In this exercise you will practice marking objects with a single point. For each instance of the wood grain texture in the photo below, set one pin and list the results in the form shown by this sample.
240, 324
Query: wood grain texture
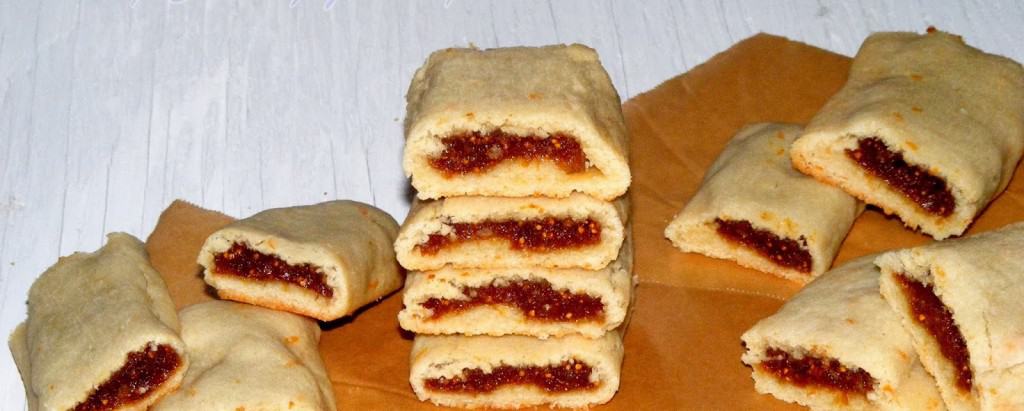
109, 110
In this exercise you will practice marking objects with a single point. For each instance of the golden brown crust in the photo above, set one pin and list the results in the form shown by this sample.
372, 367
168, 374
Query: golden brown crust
434, 217
278, 305
349, 242
67, 322
812, 216
470, 90
909, 92
252, 358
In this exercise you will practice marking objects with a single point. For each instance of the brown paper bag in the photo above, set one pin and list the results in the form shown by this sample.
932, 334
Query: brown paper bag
682, 347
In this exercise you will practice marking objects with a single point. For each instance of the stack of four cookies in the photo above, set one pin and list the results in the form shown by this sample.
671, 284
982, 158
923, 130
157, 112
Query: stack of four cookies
520, 264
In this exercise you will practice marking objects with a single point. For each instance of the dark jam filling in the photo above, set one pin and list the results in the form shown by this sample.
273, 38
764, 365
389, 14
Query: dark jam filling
475, 152
819, 372
929, 311
570, 375
782, 251
248, 263
928, 191
535, 298
538, 235
141, 374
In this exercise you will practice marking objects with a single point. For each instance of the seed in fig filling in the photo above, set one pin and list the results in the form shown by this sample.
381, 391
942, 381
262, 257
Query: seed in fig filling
484, 232
495, 152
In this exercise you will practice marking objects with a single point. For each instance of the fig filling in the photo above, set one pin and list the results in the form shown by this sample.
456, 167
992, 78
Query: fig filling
933, 315
475, 152
926, 190
818, 372
784, 252
567, 376
141, 374
242, 261
535, 235
534, 298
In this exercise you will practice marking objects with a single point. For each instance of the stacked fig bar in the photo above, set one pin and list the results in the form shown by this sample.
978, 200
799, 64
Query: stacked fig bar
520, 273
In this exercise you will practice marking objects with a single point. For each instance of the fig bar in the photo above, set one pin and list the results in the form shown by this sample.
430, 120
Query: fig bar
927, 128
101, 333
755, 209
246, 357
533, 301
498, 232
960, 300
324, 260
837, 345
515, 122
515, 371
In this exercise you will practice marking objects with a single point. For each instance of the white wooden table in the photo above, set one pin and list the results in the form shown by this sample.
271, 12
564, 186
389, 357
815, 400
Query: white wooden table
109, 110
